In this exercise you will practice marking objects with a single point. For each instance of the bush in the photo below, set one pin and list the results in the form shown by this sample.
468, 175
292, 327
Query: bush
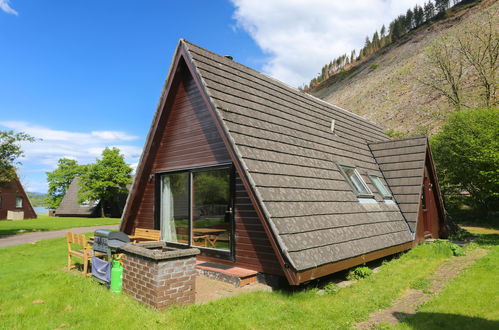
359, 273
331, 288
444, 247
467, 157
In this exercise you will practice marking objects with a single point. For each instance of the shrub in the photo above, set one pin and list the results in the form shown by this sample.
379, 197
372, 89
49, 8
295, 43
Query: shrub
447, 248
467, 157
359, 273
331, 288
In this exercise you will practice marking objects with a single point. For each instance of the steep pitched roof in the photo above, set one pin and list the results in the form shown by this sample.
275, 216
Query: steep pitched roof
283, 139
70, 205
402, 163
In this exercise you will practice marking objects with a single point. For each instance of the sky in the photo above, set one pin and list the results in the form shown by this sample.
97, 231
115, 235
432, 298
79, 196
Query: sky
82, 75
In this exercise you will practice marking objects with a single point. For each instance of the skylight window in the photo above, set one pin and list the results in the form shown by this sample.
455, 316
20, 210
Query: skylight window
355, 180
383, 190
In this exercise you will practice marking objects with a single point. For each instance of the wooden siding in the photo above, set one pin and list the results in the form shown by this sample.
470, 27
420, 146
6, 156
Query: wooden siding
8, 194
190, 139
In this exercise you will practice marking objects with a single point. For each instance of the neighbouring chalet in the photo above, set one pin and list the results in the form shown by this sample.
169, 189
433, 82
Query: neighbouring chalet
71, 207
14, 203
259, 175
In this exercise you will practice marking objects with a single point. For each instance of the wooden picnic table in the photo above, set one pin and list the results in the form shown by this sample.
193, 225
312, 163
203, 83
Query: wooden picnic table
210, 235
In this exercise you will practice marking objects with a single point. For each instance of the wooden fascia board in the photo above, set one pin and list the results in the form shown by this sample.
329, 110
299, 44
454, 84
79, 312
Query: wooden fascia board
141, 178
324, 270
229, 144
420, 191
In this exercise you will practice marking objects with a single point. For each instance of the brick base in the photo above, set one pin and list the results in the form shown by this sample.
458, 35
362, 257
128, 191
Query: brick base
160, 283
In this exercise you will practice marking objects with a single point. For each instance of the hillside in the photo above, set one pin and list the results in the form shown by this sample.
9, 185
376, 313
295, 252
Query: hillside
387, 87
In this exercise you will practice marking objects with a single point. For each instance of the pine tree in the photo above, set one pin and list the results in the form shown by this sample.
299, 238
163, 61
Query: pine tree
376, 43
382, 31
418, 15
409, 19
441, 5
429, 11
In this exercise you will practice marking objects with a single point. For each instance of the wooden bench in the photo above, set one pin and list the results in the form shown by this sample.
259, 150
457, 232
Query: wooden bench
144, 234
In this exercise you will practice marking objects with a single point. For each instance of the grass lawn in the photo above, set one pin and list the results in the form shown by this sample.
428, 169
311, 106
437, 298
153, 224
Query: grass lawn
470, 301
36, 292
45, 223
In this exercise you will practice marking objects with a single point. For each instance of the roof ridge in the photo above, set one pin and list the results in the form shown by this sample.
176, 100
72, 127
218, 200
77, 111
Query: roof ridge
397, 140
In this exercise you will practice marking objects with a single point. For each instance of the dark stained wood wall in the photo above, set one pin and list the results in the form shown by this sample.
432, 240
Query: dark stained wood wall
190, 139
8, 194
433, 223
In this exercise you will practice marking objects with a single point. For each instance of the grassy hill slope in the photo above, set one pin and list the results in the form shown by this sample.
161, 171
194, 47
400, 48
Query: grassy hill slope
387, 89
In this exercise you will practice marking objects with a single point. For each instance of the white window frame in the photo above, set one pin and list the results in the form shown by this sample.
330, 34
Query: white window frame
366, 193
376, 180
19, 202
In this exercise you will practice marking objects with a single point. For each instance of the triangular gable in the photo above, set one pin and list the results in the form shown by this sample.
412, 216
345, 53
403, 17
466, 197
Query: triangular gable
163, 125
9, 192
70, 206
402, 163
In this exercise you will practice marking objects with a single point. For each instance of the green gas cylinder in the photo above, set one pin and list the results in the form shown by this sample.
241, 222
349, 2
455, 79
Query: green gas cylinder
116, 277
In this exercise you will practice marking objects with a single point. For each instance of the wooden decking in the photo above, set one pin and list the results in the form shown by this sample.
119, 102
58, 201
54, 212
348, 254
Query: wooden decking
235, 275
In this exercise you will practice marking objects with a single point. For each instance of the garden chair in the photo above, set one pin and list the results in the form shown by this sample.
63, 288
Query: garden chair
85, 253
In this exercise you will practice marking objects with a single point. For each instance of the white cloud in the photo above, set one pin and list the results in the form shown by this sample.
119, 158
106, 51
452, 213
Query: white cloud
44, 133
51, 145
300, 36
5, 6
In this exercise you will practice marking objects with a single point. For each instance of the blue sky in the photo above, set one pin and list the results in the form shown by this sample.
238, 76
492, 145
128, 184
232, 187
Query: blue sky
82, 75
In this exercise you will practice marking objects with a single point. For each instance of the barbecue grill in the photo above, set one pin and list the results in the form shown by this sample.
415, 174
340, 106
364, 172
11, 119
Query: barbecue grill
108, 242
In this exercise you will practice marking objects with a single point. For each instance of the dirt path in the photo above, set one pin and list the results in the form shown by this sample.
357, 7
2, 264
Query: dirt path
41, 235
412, 299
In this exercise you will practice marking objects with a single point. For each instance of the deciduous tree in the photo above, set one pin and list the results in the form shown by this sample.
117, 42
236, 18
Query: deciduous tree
466, 153
106, 179
60, 179
10, 152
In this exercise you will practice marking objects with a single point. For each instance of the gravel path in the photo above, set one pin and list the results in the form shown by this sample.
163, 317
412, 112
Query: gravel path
41, 235
412, 299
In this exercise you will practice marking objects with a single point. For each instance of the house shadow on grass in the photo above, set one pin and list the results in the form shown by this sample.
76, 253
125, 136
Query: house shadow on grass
424, 321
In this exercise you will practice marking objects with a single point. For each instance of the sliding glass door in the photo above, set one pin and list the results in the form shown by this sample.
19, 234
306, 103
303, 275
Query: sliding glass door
196, 208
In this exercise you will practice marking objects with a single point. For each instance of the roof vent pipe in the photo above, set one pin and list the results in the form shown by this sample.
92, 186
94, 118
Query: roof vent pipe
332, 125
229, 57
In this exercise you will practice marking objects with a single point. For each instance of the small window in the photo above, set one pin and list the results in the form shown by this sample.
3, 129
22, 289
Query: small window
19, 202
383, 190
355, 180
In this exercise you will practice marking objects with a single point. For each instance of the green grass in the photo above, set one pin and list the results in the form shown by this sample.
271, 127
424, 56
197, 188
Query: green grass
34, 272
46, 223
470, 301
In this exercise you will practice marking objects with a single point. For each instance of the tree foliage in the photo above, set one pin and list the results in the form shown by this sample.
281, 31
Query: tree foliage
10, 151
60, 179
106, 179
466, 153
